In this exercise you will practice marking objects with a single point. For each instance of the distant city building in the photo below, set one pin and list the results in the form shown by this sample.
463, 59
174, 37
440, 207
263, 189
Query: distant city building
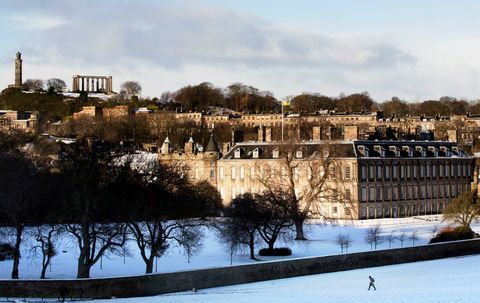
12, 119
118, 111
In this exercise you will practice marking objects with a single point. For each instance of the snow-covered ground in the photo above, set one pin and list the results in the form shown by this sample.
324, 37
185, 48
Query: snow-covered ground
446, 280
214, 254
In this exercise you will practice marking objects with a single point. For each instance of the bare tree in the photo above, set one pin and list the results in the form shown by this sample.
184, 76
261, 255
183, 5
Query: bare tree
163, 203
89, 218
190, 239
46, 236
19, 187
402, 237
296, 163
244, 219
344, 241
374, 237
276, 214
33, 85
390, 237
56, 85
131, 88
463, 210
413, 237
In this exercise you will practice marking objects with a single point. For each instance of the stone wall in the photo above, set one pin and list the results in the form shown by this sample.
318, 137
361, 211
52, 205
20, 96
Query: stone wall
154, 284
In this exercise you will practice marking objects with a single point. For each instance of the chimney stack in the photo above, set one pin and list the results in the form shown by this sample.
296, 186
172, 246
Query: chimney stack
350, 132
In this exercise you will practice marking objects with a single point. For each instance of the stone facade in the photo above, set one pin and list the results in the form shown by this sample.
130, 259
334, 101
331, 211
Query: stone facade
12, 119
201, 165
116, 112
366, 179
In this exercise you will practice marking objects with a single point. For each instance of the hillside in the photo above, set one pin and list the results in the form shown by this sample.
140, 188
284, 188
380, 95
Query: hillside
50, 106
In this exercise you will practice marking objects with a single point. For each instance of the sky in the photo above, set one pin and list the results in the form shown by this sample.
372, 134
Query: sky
414, 50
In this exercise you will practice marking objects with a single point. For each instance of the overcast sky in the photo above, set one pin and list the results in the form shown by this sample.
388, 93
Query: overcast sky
411, 49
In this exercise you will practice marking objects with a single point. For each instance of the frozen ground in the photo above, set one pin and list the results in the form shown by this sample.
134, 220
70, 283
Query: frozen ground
214, 254
446, 280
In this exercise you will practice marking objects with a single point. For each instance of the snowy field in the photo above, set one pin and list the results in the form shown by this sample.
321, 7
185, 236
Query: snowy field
214, 254
439, 281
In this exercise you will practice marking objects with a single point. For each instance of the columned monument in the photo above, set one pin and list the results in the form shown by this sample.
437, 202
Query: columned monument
92, 84
18, 70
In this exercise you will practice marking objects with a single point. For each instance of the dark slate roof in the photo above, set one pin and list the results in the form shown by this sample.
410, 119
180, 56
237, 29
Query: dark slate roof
212, 145
407, 149
308, 148
349, 149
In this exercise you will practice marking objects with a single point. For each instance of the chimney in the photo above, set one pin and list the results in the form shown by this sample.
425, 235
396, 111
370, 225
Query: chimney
316, 133
350, 132
226, 147
452, 135
268, 134
261, 137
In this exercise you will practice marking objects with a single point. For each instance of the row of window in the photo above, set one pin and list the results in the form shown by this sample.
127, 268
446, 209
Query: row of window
239, 172
401, 210
415, 171
412, 192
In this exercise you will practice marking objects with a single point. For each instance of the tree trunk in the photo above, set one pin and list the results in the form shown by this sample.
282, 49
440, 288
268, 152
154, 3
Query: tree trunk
251, 244
83, 271
16, 252
45, 262
149, 267
300, 235
44, 269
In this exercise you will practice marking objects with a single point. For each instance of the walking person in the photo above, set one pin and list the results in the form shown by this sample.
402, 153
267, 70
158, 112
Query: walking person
372, 283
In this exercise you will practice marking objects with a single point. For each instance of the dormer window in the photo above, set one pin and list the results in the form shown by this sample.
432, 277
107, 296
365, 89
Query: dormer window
256, 152
446, 151
421, 150
395, 150
299, 154
408, 150
275, 153
433, 150
238, 153
380, 150
363, 150
456, 150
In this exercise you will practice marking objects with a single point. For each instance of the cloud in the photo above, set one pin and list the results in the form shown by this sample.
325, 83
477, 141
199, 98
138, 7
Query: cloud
167, 44
36, 22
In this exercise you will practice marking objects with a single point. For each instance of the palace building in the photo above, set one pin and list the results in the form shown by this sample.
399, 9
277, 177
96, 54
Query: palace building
366, 179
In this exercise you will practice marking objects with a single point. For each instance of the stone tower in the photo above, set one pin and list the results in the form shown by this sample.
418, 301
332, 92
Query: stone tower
18, 70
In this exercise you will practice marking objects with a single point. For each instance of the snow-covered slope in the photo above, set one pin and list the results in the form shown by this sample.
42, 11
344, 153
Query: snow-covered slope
446, 280
214, 254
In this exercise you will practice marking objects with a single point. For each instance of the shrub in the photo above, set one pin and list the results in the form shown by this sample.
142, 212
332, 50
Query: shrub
453, 234
6, 251
281, 251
